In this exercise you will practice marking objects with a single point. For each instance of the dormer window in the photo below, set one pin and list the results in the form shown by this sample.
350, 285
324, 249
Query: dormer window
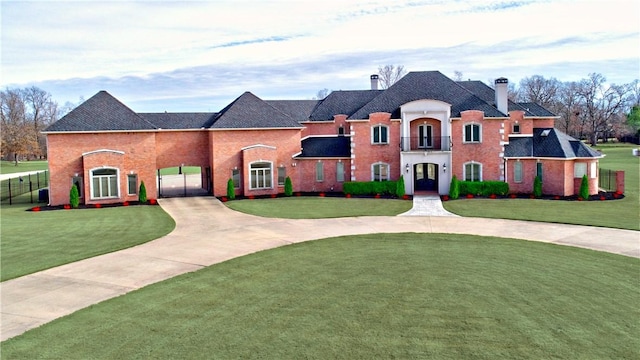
516, 128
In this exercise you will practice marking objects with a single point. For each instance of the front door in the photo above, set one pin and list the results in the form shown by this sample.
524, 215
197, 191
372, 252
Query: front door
426, 177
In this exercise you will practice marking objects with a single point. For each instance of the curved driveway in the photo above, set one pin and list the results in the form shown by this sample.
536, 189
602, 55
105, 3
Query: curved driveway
208, 233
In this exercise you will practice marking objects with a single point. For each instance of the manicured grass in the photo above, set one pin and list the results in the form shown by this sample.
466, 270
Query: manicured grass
320, 207
9, 167
185, 170
378, 296
34, 241
623, 214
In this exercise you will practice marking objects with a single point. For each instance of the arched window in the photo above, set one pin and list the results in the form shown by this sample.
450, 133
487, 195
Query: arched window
473, 171
260, 175
380, 134
380, 172
104, 183
472, 133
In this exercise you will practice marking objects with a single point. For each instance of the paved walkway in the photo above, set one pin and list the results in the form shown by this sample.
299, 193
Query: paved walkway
208, 233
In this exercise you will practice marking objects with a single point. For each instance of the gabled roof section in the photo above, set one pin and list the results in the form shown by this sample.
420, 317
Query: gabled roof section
548, 143
101, 112
250, 112
488, 94
298, 110
179, 120
426, 85
326, 147
342, 102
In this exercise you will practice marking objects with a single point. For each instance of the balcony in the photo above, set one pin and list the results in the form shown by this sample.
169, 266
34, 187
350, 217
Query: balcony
429, 143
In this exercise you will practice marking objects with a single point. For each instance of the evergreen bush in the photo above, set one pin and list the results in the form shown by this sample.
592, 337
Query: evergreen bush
584, 188
288, 187
231, 191
454, 188
370, 187
537, 187
400, 187
74, 197
142, 194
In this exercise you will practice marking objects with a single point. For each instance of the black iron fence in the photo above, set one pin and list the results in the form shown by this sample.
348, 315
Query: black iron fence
13, 188
426, 143
607, 180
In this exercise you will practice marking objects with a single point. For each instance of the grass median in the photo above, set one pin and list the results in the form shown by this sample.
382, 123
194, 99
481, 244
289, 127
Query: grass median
370, 296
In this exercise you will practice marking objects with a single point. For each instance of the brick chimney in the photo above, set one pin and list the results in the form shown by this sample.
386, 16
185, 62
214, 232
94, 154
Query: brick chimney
374, 82
502, 100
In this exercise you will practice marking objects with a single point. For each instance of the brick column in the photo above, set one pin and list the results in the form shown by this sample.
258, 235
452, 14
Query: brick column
620, 181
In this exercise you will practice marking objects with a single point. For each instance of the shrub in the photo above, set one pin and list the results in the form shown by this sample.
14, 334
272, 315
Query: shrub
494, 188
370, 187
400, 187
484, 188
537, 187
74, 197
470, 187
142, 194
584, 188
288, 187
454, 188
231, 191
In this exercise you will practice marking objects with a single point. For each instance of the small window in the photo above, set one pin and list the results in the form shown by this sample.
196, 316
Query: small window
235, 176
282, 174
132, 184
340, 172
594, 170
579, 170
380, 172
539, 170
473, 172
380, 134
517, 171
341, 130
260, 175
516, 128
319, 171
472, 133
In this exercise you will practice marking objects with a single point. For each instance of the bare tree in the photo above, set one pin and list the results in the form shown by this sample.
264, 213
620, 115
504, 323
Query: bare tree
539, 90
42, 112
568, 108
457, 76
321, 94
389, 74
602, 105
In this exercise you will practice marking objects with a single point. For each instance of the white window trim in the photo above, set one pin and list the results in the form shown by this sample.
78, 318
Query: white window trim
373, 132
373, 174
578, 174
594, 169
91, 177
464, 170
251, 170
464, 138
426, 145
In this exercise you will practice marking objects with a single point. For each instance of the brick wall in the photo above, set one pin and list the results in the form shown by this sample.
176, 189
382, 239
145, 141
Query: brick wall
364, 153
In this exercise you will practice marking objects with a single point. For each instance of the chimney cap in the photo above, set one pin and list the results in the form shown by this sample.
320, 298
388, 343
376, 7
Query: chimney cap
374, 77
502, 80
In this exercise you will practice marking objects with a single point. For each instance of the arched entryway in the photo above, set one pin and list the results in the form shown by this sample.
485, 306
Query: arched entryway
425, 177
184, 181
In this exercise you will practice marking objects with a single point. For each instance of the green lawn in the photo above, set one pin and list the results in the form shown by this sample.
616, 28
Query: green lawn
319, 207
34, 241
9, 167
623, 214
378, 296
176, 170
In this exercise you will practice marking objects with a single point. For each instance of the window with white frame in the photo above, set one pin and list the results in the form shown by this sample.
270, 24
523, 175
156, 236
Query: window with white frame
340, 171
579, 169
473, 171
132, 184
380, 172
425, 134
319, 171
104, 183
282, 175
472, 133
594, 170
517, 171
235, 176
516, 128
260, 175
380, 134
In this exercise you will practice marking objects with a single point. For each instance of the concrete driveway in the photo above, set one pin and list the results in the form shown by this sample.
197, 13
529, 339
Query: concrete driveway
208, 233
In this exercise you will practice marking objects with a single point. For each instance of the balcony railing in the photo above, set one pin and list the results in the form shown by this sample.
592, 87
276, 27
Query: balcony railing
430, 143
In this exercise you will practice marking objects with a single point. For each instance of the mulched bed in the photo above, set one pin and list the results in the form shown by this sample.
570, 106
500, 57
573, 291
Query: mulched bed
92, 206
601, 196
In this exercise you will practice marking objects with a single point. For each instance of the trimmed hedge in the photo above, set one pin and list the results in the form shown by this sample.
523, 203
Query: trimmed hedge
370, 187
454, 188
400, 187
482, 188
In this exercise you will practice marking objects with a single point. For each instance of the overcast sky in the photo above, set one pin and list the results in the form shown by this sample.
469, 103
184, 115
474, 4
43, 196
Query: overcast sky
192, 56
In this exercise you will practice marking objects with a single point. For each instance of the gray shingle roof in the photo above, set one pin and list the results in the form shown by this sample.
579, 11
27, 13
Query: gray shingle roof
101, 112
548, 142
298, 110
536, 110
343, 102
179, 120
426, 85
326, 147
250, 112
